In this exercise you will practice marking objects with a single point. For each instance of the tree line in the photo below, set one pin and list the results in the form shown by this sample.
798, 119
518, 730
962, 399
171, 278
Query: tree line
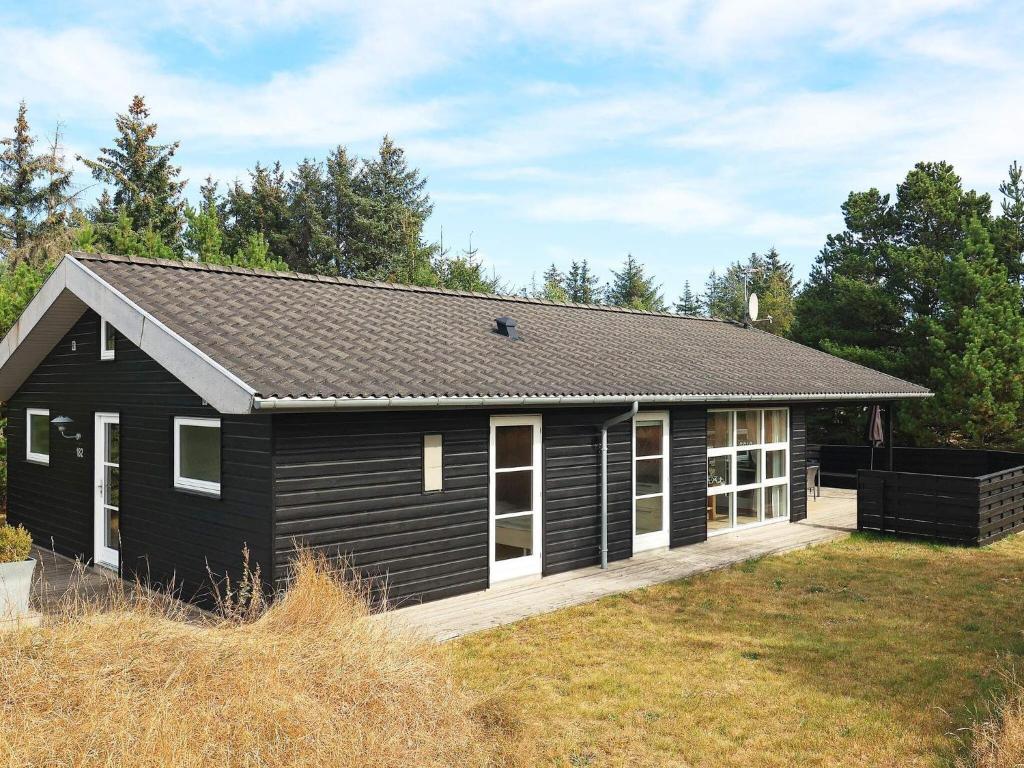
925, 285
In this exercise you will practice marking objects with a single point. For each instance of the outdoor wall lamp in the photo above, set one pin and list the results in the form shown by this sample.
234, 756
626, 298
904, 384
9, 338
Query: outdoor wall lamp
63, 424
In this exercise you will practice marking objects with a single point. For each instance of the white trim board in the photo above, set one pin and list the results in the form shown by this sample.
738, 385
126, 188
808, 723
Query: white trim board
73, 288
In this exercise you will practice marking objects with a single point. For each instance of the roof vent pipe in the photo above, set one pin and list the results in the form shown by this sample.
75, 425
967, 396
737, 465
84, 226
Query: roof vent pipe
604, 475
507, 327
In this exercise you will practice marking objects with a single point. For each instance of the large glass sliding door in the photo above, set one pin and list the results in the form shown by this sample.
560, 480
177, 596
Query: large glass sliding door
748, 467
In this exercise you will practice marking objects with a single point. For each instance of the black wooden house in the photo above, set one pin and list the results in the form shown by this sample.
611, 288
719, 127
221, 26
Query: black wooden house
162, 415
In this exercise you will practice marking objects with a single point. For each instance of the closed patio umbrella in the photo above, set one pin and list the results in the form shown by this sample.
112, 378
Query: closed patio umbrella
876, 433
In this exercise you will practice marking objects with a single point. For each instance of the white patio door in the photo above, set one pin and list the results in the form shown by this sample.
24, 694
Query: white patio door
650, 481
107, 528
516, 482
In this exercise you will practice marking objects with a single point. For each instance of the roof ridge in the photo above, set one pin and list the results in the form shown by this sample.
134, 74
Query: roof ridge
379, 284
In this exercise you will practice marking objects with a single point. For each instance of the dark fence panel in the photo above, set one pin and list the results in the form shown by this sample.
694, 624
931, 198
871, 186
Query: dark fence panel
960, 510
840, 463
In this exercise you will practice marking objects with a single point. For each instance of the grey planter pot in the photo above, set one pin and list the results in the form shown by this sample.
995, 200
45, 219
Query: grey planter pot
15, 588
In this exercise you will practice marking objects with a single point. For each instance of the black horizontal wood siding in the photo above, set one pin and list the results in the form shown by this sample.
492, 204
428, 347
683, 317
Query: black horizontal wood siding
797, 464
350, 485
688, 497
572, 488
166, 534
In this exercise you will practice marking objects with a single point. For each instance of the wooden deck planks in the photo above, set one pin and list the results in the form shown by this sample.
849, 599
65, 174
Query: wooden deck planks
830, 517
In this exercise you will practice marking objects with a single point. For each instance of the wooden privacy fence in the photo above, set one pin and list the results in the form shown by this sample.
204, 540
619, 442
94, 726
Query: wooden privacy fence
950, 508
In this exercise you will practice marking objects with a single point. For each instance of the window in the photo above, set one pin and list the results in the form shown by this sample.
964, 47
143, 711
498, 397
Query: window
433, 463
37, 435
197, 454
108, 337
516, 481
748, 467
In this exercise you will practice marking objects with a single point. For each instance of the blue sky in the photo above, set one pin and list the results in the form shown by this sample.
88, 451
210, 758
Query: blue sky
689, 133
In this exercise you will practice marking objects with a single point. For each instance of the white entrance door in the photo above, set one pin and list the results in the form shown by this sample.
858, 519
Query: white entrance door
650, 481
107, 537
516, 483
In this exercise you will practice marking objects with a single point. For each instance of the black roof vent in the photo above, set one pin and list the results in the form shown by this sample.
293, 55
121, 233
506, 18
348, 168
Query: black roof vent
507, 327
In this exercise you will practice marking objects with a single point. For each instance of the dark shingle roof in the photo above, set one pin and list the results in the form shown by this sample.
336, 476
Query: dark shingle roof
290, 335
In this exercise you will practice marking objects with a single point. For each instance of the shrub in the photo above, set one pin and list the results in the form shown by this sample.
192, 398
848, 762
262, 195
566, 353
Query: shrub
15, 544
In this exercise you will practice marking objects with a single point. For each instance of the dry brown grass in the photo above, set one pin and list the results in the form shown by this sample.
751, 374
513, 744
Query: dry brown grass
314, 680
996, 740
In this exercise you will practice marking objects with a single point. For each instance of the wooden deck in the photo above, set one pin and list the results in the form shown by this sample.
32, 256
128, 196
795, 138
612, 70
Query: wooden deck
832, 516
59, 579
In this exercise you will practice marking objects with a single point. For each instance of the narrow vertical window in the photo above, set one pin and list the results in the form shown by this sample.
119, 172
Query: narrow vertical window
108, 339
37, 435
433, 463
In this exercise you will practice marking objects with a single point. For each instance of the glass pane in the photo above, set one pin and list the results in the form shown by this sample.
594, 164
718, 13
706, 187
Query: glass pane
719, 433
719, 506
513, 537
748, 427
513, 446
648, 438
113, 529
774, 464
776, 426
748, 506
39, 433
513, 492
112, 486
113, 443
200, 453
111, 334
719, 470
776, 501
748, 466
648, 476
432, 463
648, 515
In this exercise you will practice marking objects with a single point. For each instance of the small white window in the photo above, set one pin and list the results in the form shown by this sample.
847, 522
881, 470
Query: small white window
37, 435
108, 339
433, 463
197, 454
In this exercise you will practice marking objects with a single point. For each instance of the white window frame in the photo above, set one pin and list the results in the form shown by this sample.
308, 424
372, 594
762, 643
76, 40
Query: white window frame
188, 483
762, 484
655, 539
30, 455
528, 565
105, 354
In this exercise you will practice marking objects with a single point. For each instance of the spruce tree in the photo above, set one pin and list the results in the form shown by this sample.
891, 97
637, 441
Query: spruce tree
35, 200
553, 288
632, 288
688, 302
979, 346
464, 272
262, 209
144, 177
1008, 229
582, 285
204, 237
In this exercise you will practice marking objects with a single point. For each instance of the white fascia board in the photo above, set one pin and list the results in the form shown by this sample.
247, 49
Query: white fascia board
353, 403
67, 293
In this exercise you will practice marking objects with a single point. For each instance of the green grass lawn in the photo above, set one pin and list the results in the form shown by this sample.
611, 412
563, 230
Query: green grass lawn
861, 652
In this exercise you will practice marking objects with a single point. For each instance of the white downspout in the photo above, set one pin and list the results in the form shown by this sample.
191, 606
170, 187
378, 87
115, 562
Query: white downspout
604, 476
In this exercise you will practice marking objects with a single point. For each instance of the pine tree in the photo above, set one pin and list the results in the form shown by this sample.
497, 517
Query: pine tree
310, 247
35, 201
631, 288
144, 177
465, 272
688, 302
262, 209
342, 204
581, 285
204, 237
386, 234
777, 291
979, 346
553, 288
1008, 229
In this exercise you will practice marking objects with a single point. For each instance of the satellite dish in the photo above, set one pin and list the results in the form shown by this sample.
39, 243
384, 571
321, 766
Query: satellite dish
752, 307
